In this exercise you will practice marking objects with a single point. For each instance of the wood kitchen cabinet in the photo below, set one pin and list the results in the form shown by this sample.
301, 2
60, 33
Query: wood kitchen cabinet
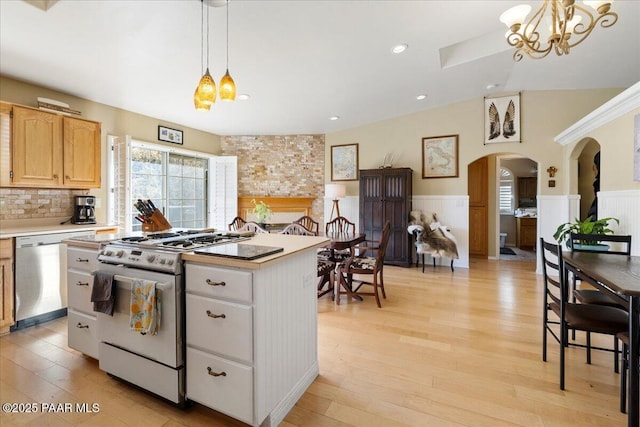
526, 232
385, 194
48, 150
6, 285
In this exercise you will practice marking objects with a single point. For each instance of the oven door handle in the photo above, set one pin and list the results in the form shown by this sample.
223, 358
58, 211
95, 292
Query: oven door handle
129, 281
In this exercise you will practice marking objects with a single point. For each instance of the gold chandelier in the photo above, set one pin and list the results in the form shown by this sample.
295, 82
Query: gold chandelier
557, 26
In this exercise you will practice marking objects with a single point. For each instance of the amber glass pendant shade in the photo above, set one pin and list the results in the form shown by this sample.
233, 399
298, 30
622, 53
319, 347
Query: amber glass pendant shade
227, 88
206, 90
200, 106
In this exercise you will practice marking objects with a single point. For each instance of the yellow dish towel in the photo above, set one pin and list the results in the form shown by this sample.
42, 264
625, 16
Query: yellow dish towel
145, 307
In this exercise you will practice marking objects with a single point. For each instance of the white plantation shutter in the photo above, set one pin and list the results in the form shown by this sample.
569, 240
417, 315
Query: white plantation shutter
506, 192
223, 198
121, 183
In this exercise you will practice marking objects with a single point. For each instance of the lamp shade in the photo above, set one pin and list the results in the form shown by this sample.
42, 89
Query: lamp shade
335, 191
515, 15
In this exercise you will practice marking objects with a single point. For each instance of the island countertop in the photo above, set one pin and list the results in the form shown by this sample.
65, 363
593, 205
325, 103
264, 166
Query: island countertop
291, 245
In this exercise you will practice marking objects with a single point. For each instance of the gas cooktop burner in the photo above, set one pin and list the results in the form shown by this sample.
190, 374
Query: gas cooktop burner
180, 241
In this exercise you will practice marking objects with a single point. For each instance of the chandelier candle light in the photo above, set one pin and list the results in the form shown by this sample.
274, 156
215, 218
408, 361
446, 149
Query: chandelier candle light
558, 25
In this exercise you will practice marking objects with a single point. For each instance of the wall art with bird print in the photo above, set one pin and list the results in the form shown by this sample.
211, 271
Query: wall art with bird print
502, 119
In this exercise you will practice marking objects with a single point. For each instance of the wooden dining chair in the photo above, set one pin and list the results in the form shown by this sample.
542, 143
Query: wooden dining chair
589, 318
237, 224
297, 229
252, 226
624, 337
365, 265
600, 243
309, 223
340, 225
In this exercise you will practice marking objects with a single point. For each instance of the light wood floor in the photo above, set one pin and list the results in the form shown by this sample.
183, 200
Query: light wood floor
446, 349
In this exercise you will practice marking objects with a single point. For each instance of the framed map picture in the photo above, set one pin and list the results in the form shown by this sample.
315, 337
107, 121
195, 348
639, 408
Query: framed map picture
440, 156
344, 162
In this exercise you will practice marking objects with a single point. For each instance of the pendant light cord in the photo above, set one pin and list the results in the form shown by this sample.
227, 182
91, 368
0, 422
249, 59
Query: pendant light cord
201, 37
207, 36
227, 35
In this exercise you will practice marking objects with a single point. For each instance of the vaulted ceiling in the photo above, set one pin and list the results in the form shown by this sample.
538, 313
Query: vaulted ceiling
300, 61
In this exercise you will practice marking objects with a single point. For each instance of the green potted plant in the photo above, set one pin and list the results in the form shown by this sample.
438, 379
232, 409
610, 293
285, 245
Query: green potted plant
588, 226
262, 211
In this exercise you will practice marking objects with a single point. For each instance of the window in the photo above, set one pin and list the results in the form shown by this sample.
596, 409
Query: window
176, 181
506, 192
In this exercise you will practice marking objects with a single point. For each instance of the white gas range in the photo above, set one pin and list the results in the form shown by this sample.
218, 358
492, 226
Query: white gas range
152, 362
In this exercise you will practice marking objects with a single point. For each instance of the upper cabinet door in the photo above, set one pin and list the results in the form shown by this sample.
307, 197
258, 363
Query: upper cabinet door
36, 148
81, 153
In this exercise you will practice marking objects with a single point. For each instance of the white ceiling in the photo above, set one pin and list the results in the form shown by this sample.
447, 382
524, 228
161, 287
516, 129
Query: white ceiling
301, 61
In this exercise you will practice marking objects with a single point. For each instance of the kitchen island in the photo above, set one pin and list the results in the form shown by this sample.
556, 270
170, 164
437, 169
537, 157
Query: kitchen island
251, 327
252, 341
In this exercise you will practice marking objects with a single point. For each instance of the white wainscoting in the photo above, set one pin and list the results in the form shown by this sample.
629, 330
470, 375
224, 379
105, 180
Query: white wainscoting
624, 205
453, 211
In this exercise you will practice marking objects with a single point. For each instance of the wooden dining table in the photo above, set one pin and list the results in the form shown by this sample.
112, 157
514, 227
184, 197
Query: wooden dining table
342, 241
618, 276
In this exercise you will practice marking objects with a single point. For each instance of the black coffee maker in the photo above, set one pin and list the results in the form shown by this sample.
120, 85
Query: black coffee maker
85, 210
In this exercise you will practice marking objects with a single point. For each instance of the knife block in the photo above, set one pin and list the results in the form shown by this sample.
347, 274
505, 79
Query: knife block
157, 222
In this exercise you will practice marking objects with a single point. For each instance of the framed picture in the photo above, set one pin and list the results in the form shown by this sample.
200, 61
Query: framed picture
169, 135
344, 162
440, 156
502, 119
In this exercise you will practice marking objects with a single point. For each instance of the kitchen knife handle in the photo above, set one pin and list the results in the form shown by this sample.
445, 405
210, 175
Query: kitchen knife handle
212, 283
215, 316
216, 374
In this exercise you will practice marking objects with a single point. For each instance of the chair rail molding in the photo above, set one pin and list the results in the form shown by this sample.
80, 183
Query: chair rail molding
624, 103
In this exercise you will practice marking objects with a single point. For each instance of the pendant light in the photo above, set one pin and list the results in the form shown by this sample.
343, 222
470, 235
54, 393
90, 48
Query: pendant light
205, 94
227, 85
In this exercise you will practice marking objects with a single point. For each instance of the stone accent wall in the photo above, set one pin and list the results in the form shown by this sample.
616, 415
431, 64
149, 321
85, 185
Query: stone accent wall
28, 203
279, 166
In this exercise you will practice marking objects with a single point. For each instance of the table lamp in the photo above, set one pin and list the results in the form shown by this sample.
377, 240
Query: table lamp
335, 191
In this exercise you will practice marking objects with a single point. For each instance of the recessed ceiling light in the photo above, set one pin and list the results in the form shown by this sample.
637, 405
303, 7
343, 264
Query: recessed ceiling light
421, 97
492, 86
334, 118
399, 48
243, 97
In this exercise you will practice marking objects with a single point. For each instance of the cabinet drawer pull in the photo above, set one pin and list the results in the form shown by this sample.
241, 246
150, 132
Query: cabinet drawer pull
82, 260
81, 326
82, 284
215, 316
212, 283
67, 177
216, 374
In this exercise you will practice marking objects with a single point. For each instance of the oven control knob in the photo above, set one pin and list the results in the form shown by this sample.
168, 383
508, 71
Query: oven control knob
120, 253
109, 253
162, 260
150, 258
169, 262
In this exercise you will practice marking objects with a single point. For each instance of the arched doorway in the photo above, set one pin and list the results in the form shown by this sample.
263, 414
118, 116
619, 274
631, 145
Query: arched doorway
588, 178
503, 192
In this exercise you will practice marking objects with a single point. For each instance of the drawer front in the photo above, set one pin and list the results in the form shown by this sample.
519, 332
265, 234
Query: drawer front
82, 259
230, 393
229, 334
219, 282
79, 285
82, 333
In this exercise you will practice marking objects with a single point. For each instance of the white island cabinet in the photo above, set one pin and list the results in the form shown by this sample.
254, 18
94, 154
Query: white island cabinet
252, 341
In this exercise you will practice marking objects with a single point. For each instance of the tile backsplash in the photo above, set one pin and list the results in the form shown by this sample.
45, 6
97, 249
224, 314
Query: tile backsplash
29, 203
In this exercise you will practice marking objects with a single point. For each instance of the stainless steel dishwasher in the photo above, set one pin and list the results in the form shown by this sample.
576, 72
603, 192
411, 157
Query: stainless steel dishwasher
41, 277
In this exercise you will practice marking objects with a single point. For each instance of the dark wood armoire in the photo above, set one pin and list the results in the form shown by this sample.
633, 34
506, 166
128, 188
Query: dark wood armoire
385, 194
